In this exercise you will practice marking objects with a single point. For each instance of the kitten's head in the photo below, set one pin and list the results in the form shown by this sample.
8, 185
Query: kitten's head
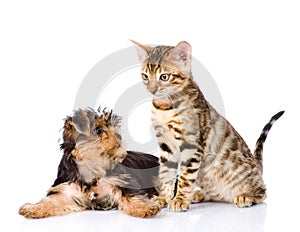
165, 69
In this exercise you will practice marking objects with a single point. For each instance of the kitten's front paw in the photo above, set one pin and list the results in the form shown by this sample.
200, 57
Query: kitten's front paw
178, 205
162, 201
197, 197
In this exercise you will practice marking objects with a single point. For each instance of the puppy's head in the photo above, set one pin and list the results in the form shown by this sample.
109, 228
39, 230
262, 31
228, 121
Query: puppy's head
93, 134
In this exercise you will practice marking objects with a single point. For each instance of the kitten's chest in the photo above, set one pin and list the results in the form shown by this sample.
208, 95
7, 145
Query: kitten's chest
181, 110
164, 117
176, 124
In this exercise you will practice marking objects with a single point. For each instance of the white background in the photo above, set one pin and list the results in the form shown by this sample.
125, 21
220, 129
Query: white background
250, 48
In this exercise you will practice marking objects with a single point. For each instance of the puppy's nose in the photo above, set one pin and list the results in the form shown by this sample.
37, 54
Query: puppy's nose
152, 87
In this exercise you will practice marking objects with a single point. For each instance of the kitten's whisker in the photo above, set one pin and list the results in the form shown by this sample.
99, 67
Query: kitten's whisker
212, 153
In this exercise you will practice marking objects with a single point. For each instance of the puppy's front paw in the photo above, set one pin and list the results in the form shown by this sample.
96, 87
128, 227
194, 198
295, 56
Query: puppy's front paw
151, 210
178, 205
48, 207
32, 211
140, 207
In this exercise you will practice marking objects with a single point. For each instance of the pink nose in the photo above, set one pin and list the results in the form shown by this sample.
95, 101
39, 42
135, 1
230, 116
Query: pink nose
152, 87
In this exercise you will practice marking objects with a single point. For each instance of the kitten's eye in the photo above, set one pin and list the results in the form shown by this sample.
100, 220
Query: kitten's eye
118, 136
145, 77
164, 77
98, 131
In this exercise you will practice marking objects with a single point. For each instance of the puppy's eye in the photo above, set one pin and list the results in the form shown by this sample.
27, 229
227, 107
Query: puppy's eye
164, 77
98, 131
145, 77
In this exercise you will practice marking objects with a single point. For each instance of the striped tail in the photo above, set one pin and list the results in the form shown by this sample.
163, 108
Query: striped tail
258, 152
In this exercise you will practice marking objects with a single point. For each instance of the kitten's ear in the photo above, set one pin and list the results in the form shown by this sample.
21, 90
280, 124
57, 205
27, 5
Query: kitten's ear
183, 51
81, 122
142, 50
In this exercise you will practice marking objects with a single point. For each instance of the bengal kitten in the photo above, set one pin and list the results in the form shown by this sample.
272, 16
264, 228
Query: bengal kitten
199, 147
97, 173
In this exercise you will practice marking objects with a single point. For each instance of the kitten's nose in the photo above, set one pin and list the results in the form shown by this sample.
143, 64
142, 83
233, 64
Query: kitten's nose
152, 87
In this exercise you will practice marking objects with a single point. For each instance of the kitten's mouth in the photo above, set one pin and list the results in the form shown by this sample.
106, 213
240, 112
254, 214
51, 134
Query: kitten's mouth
163, 97
161, 94
158, 95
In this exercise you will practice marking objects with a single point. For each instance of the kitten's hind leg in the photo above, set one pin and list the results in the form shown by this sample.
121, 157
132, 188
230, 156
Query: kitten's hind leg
242, 201
253, 190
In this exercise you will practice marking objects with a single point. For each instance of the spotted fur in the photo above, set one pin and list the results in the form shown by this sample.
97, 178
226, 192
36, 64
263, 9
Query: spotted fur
199, 147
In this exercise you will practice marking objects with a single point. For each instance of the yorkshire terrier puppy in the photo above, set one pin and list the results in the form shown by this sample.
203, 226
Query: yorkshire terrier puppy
97, 173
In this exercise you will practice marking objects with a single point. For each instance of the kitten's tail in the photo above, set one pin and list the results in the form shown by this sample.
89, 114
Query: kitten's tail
258, 152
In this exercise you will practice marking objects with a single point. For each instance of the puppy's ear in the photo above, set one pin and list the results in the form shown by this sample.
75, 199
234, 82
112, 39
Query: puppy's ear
81, 122
68, 132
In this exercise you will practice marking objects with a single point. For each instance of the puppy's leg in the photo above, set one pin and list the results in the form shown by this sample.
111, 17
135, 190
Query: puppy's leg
62, 199
139, 206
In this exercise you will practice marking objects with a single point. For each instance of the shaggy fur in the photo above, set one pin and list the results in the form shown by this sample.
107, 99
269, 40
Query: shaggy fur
97, 173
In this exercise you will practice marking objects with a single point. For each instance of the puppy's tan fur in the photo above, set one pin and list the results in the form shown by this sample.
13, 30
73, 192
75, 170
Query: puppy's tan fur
96, 172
